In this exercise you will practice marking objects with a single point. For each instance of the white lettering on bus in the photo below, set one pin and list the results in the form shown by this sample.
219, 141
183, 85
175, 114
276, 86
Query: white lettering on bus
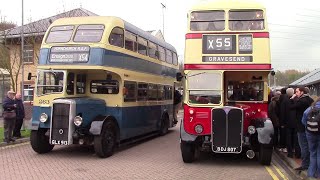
227, 59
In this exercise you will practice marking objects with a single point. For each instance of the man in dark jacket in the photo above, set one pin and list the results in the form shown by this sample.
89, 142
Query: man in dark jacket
283, 102
303, 102
273, 113
177, 104
291, 126
9, 116
20, 116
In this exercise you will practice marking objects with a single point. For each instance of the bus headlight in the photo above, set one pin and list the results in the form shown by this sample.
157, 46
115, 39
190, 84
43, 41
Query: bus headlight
251, 130
77, 120
198, 128
43, 117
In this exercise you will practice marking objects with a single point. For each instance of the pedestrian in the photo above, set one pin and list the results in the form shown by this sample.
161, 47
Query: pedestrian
283, 102
20, 116
9, 116
177, 104
303, 102
291, 127
311, 121
273, 113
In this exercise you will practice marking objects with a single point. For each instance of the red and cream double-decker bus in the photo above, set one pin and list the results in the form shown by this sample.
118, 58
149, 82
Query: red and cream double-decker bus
227, 63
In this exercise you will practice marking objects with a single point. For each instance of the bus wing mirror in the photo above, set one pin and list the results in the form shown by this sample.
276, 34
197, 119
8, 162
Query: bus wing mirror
273, 73
179, 76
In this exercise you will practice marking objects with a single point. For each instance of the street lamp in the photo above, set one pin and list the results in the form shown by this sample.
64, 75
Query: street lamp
163, 7
22, 55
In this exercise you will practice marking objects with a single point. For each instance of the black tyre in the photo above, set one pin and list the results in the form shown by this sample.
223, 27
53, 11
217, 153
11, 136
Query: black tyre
40, 142
105, 143
164, 126
265, 154
187, 152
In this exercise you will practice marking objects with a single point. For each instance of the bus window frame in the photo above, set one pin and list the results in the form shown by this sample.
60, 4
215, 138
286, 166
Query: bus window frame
113, 93
131, 99
262, 20
72, 32
83, 77
70, 82
135, 42
156, 54
79, 26
110, 36
223, 21
143, 40
63, 86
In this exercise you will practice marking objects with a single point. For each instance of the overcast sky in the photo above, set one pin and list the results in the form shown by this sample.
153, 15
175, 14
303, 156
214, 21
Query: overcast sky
294, 24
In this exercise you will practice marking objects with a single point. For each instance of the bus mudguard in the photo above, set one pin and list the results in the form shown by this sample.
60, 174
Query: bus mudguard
35, 125
265, 132
184, 136
96, 125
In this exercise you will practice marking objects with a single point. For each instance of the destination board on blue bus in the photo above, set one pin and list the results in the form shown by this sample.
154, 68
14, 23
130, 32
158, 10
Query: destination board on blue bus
72, 54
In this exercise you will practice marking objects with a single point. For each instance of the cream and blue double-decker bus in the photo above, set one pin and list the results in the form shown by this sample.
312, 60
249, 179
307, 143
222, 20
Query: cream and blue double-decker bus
101, 81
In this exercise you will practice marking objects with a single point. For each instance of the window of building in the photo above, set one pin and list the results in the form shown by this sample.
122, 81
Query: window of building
162, 53
168, 56
116, 37
153, 52
81, 83
104, 87
28, 91
142, 91
28, 51
152, 92
130, 41
130, 91
89, 33
142, 46
60, 34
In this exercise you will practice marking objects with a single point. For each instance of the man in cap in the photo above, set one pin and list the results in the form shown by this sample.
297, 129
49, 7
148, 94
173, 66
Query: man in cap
9, 115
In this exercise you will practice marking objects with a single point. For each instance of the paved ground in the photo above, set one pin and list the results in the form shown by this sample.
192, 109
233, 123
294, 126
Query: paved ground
155, 158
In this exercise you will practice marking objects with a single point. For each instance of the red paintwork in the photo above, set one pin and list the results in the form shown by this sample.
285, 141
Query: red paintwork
203, 116
254, 34
228, 66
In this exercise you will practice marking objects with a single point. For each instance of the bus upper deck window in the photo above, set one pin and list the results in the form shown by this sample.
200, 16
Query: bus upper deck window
130, 41
207, 21
246, 20
89, 33
116, 37
60, 34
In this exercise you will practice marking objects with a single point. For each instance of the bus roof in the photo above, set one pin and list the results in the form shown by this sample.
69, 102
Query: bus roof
228, 4
112, 20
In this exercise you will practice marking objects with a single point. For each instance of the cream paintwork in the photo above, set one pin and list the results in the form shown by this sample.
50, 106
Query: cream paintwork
99, 73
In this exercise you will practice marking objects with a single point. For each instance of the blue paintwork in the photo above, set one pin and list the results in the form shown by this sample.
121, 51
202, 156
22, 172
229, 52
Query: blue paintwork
103, 57
132, 121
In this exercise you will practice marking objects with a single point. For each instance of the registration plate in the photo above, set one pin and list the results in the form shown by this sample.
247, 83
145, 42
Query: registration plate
59, 142
226, 149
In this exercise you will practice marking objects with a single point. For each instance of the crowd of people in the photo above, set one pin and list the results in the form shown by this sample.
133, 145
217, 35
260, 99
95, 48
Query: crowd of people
13, 115
296, 131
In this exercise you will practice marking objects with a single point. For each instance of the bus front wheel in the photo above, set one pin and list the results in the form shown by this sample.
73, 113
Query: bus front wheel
188, 151
40, 142
104, 144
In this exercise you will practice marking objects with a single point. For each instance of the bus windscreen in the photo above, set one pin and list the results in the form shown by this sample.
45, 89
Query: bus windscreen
246, 20
207, 21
